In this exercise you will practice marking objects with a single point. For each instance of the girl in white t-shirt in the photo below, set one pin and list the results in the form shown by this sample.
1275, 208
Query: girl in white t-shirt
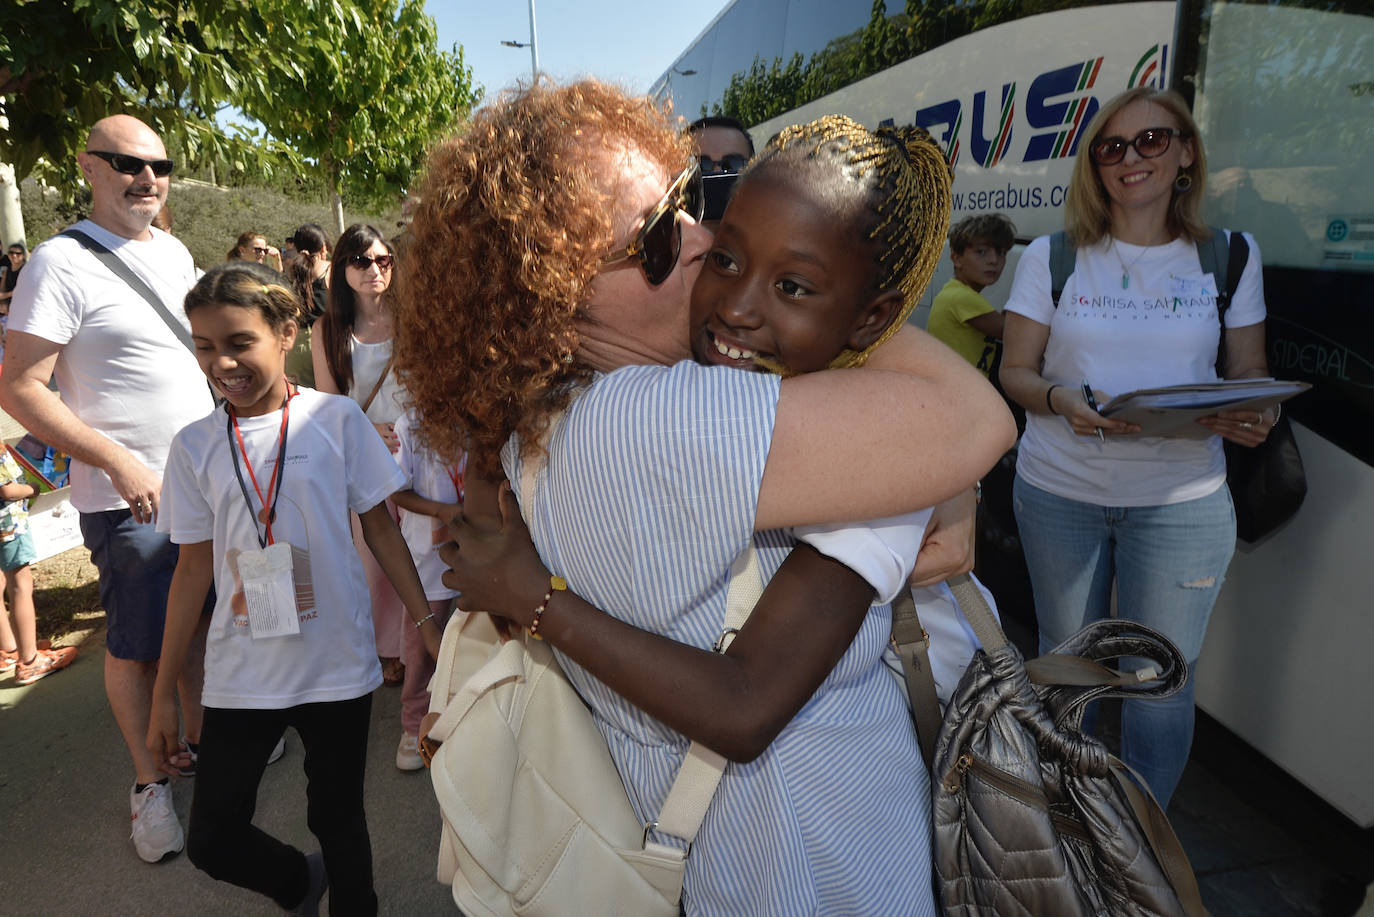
433, 495
258, 495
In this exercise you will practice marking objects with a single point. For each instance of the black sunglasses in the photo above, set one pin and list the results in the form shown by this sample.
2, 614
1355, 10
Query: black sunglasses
659, 242
125, 164
363, 262
730, 162
1149, 143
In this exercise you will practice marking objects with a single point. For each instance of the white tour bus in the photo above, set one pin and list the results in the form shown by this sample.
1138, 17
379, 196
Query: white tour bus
1284, 94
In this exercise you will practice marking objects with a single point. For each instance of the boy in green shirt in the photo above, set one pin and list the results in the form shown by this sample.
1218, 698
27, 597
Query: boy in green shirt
960, 315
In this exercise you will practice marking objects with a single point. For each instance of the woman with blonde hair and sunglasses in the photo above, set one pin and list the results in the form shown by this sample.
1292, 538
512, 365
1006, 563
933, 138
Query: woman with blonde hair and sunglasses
1095, 505
547, 301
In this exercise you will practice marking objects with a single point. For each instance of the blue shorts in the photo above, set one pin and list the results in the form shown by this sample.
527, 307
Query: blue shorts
17, 552
135, 563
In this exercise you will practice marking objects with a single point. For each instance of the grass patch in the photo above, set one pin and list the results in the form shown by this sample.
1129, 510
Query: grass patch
66, 596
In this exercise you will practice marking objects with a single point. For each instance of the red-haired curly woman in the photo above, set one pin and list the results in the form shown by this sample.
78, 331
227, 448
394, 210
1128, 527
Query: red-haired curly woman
545, 299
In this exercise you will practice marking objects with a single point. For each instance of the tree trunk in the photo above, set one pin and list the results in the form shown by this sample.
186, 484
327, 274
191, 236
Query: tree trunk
338, 211
11, 216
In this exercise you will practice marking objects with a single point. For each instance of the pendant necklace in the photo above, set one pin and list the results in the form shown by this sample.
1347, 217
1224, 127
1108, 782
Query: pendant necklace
1125, 268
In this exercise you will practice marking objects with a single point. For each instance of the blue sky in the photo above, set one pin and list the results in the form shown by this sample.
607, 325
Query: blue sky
628, 43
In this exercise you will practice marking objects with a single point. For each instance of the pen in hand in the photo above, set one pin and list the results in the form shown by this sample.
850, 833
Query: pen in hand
1092, 403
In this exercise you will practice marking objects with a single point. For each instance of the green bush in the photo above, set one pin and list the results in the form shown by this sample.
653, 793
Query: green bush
207, 219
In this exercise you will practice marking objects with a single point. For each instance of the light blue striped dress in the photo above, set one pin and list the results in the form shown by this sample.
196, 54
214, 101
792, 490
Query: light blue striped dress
649, 494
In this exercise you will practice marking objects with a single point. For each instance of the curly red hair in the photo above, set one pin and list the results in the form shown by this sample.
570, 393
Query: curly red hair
513, 220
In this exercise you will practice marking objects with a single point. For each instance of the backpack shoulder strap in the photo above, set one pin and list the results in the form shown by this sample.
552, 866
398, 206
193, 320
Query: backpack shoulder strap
1062, 258
1212, 255
1225, 260
121, 270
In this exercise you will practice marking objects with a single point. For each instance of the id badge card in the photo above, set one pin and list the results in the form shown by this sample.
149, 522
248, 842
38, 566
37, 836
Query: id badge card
269, 591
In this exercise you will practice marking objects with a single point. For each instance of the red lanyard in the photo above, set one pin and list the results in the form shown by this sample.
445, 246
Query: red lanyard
268, 512
455, 474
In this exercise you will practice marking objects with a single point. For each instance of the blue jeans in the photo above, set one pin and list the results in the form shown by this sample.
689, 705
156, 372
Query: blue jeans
1168, 563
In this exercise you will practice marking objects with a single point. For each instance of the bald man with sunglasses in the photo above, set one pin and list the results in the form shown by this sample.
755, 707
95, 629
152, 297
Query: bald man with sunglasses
128, 383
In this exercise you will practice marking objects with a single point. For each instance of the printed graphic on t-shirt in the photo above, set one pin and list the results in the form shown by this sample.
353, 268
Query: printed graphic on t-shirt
1189, 298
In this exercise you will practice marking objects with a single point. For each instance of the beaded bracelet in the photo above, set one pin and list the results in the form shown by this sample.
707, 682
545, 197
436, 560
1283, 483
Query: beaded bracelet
421, 623
1050, 404
556, 584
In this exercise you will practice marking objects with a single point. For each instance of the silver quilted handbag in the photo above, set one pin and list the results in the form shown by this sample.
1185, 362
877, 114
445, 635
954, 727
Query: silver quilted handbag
1031, 815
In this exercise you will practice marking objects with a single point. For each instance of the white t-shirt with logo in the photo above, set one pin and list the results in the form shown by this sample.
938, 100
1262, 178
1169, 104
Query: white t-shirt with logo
335, 462
121, 370
1161, 330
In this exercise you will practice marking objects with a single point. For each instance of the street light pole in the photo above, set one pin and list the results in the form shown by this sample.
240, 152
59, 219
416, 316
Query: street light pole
534, 47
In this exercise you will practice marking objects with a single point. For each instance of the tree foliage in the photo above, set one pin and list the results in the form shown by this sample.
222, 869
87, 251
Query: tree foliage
305, 69
365, 94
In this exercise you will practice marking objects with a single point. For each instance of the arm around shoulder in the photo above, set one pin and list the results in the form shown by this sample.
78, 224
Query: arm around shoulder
912, 428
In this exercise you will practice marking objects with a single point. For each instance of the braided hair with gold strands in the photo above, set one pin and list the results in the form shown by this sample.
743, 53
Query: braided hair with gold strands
892, 184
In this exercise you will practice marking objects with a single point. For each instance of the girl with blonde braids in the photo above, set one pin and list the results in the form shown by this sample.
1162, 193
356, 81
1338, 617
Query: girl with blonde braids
825, 247
258, 495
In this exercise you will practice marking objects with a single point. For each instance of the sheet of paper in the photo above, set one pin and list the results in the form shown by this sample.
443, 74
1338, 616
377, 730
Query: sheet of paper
269, 591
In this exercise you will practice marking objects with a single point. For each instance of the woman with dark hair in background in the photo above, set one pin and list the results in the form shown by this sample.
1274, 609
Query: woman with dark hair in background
308, 272
15, 257
253, 246
352, 356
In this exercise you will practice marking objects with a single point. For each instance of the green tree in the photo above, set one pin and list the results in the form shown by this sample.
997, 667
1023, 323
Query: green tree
64, 64
365, 94
355, 89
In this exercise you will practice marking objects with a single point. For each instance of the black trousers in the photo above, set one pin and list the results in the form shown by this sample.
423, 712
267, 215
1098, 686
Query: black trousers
223, 841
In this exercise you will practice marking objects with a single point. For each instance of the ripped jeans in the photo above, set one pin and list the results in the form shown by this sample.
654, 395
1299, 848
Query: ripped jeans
1168, 562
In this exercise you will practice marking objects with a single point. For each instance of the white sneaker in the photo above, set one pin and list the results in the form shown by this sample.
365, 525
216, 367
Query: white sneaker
408, 753
277, 751
156, 832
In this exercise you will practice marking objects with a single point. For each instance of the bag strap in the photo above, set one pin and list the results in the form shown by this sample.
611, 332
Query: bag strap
1161, 837
702, 769
1062, 259
126, 274
912, 643
913, 646
378, 387
1227, 275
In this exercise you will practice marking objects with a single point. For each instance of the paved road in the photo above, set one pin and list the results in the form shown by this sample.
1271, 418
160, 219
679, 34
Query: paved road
64, 795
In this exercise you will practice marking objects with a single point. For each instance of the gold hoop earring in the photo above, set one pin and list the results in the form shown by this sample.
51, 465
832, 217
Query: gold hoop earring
1183, 183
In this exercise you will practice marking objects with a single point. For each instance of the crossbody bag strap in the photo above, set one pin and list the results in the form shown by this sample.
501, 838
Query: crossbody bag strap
1063, 256
126, 274
976, 611
912, 643
367, 403
702, 769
